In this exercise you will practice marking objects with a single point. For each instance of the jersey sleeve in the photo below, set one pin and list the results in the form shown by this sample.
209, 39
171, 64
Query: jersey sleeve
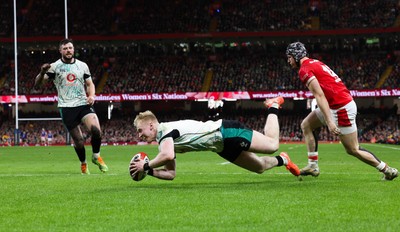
86, 74
166, 132
306, 75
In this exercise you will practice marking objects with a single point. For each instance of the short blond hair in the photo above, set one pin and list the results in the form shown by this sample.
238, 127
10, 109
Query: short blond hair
144, 116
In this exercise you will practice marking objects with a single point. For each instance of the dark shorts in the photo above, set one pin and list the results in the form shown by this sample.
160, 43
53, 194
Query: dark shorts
237, 138
72, 116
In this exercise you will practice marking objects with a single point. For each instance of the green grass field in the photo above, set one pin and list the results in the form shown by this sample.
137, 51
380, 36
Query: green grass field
41, 189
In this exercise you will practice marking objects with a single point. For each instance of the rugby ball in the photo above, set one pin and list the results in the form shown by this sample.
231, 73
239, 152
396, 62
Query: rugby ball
140, 175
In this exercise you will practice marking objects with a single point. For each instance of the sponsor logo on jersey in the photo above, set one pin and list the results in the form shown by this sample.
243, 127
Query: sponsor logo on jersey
71, 77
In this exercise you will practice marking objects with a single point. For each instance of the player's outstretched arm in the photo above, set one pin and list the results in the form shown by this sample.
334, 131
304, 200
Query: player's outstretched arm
166, 153
166, 173
165, 157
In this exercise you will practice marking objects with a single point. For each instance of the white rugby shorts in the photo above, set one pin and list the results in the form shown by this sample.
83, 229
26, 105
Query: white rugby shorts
344, 117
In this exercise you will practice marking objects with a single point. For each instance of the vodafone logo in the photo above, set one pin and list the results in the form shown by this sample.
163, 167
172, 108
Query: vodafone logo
71, 77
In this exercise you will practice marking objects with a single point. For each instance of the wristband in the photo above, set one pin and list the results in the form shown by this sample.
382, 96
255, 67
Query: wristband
147, 169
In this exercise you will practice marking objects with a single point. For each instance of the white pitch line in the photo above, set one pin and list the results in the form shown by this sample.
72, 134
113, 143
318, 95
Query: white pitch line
225, 163
38, 175
278, 173
185, 173
296, 147
381, 146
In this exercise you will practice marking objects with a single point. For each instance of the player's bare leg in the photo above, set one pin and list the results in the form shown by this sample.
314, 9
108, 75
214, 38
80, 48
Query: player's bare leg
92, 124
79, 147
267, 143
350, 143
250, 161
309, 125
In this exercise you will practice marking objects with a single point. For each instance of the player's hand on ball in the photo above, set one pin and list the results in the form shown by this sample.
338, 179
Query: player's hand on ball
136, 166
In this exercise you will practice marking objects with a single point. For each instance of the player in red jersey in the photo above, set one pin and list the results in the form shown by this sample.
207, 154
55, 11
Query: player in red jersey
336, 109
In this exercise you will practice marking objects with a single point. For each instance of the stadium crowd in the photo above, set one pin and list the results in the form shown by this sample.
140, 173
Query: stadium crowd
244, 68
198, 16
374, 125
182, 67
251, 65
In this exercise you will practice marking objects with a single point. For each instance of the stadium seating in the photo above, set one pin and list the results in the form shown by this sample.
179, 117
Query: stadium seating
141, 17
252, 64
250, 68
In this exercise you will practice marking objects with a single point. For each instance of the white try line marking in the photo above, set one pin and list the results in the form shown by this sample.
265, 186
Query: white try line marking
51, 174
281, 173
185, 173
225, 163
381, 146
296, 146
